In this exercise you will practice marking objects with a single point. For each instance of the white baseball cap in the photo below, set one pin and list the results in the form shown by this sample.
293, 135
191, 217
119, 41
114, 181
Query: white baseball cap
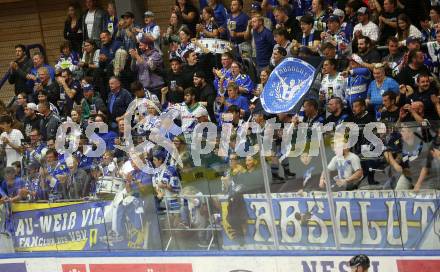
32, 106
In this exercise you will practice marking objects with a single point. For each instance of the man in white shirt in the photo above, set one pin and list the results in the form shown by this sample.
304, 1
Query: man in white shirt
365, 27
348, 167
151, 30
10, 140
188, 112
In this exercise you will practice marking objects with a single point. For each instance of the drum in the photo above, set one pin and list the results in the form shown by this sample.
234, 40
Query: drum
108, 186
215, 46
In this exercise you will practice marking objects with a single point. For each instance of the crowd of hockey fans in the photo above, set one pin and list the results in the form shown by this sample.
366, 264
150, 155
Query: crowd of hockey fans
380, 61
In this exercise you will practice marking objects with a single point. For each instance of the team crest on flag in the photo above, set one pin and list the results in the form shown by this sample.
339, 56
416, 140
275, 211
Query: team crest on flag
287, 85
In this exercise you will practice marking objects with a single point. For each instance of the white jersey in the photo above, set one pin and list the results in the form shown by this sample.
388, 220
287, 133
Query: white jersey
333, 86
346, 166
188, 115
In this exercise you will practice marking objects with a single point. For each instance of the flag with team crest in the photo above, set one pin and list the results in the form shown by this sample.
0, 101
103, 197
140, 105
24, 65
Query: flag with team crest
287, 85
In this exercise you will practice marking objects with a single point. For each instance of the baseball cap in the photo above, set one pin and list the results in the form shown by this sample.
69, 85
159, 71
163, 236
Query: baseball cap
256, 6
32, 106
339, 12
127, 14
149, 13
87, 88
362, 10
175, 58
411, 39
333, 18
356, 58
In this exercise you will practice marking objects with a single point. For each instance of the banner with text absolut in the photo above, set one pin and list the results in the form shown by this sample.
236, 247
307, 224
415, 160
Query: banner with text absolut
364, 219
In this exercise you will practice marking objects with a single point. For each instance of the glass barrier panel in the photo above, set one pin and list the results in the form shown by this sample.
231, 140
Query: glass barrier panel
215, 212
301, 206
365, 207
419, 203
133, 218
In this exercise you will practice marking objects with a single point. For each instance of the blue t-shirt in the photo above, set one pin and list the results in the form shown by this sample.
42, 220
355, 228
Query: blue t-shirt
220, 15
264, 44
241, 22
12, 190
240, 102
375, 93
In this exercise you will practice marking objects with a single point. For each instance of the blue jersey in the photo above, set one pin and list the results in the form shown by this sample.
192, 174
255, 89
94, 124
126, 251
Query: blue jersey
35, 185
111, 24
347, 28
109, 50
86, 162
13, 189
241, 80
168, 175
181, 50
36, 154
241, 102
59, 169
357, 84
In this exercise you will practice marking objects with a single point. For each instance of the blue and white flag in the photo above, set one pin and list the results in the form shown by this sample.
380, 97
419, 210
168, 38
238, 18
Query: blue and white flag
287, 85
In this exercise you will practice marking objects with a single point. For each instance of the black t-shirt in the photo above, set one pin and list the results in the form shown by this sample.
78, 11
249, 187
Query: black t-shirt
425, 97
372, 56
183, 80
293, 28
30, 124
361, 121
390, 116
344, 116
388, 31
408, 76
208, 94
